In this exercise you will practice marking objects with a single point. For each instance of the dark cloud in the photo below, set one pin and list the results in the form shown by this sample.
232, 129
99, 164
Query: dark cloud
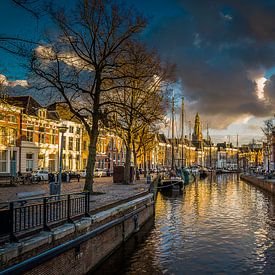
218, 45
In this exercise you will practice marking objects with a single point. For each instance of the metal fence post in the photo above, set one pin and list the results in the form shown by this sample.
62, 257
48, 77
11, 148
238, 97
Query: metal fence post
11, 223
69, 208
45, 215
87, 204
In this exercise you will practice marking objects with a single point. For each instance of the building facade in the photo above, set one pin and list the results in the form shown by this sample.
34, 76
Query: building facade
10, 120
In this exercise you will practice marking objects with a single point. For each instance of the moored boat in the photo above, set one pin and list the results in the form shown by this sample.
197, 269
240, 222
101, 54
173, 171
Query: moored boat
169, 183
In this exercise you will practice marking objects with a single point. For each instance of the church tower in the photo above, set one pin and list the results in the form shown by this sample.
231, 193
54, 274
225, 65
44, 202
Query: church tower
197, 135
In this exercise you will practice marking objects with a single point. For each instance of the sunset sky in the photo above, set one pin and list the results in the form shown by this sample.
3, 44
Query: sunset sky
224, 51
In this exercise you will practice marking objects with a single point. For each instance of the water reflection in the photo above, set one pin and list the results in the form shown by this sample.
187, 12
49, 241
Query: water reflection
219, 225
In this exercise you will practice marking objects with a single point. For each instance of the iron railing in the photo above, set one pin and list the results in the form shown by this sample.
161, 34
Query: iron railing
23, 216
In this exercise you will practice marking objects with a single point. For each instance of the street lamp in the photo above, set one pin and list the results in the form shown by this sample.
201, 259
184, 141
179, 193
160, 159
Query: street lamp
62, 129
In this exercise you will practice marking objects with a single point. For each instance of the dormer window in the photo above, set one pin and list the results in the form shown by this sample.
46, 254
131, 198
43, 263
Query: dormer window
42, 113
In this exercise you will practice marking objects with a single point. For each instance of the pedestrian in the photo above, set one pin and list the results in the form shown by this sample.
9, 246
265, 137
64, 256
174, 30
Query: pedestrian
78, 177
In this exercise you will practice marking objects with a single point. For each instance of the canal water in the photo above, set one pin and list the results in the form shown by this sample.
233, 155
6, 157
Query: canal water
218, 225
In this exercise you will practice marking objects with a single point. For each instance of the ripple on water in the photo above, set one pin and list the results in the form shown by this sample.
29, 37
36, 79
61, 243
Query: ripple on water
223, 226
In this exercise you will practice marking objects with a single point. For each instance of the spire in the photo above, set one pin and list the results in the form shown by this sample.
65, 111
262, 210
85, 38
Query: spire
197, 135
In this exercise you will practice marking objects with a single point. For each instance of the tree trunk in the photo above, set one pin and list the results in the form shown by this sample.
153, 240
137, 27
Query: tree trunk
127, 166
89, 181
135, 162
93, 136
145, 163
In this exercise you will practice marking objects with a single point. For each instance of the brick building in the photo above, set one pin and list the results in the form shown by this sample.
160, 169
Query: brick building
10, 119
38, 135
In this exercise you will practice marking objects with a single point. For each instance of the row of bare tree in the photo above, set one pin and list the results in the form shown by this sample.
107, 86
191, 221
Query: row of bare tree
94, 61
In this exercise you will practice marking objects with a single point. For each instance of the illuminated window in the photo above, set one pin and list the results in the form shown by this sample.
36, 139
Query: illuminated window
53, 136
12, 119
12, 136
29, 135
42, 134
3, 161
3, 135
71, 143
29, 162
77, 144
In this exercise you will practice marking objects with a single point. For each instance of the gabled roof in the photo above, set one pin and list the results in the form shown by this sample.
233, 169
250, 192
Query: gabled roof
29, 105
63, 111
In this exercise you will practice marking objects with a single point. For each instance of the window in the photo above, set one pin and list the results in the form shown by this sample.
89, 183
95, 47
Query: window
111, 144
29, 162
71, 129
64, 143
64, 167
12, 119
78, 130
29, 135
42, 113
42, 134
3, 161
77, 144
71, 143
12, 136
3, 135
70, 162
77, 163
53, 136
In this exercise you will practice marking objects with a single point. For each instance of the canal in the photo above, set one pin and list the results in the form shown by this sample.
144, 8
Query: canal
218, 225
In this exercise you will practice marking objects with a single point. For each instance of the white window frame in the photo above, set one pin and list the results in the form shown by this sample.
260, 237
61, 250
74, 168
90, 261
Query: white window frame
29, 162
4, 160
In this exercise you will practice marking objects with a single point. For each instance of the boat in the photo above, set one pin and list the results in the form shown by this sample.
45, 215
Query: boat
203, 174
170, 183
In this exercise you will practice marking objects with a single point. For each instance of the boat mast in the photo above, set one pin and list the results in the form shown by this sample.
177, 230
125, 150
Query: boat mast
238, 153
182, 130
173, 130
189, 143
210, 143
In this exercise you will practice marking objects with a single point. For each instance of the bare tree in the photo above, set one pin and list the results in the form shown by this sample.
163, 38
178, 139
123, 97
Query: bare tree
139, 100
143, 144
29, 5
80, 62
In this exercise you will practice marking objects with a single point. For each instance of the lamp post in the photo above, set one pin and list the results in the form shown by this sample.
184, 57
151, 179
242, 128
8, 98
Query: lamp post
62, 129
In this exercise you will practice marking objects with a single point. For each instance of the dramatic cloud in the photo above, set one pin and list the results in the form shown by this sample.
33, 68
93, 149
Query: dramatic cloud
223, 49
5, 83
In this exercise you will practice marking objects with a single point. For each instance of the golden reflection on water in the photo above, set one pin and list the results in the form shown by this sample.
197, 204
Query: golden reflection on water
218, 225
220, 222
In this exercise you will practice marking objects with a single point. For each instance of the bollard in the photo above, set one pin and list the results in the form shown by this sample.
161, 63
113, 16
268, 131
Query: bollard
54, 188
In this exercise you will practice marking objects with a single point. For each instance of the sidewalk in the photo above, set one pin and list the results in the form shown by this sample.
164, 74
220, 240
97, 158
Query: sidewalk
112, 192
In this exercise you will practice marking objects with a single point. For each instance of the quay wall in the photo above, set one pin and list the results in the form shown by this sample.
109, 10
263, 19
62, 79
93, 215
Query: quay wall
261, 183
79, 247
